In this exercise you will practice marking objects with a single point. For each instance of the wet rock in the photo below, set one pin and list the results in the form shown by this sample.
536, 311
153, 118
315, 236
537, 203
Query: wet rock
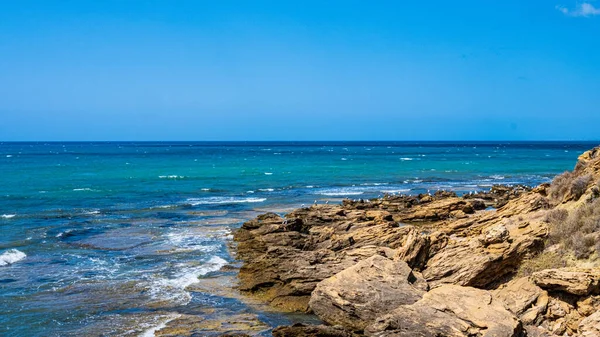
577, 282
449, 310
359, 294
227, 325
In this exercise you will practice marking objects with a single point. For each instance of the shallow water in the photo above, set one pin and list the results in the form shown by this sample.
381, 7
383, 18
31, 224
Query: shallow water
111, 238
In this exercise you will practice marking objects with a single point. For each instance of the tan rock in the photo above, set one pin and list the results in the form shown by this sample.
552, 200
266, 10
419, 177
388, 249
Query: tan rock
590, 326
357, 295
449, 310
524, 299
578, 282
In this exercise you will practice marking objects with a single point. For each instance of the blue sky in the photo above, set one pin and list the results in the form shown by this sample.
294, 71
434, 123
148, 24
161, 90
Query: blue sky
299, 70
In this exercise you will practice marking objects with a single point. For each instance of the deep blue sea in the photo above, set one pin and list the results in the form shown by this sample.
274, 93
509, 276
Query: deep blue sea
108, 238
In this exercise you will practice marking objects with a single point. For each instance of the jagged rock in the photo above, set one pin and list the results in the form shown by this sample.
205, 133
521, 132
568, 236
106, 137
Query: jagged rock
524, 299
582, 282
302, 330
590, 326
357, 295
285, 258
450, 311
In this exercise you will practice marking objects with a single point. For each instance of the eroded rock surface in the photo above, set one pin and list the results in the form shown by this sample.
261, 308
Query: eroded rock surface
357, 295
449, 310
577, 282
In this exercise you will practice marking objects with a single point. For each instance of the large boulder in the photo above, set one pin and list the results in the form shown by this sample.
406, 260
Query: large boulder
576, 282
452, 311
356, 296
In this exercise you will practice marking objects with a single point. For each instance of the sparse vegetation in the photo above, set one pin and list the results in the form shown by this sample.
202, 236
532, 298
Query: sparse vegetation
560, 186
576, 232
579, 186
544, 260
568, 183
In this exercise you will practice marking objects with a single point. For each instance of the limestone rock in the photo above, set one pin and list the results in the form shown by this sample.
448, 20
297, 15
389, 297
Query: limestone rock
359, 294
590, 326
449, 310
302, 330
524, 299
578, 282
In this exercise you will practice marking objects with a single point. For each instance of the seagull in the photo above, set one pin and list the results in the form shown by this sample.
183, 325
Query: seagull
302, 206
327, 202
315, 203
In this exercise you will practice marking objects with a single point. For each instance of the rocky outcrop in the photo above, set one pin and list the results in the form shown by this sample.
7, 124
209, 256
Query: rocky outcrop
449, 310
356, 296
369, 265
285, 258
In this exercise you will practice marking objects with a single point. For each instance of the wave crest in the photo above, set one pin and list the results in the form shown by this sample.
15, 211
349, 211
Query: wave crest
11, 256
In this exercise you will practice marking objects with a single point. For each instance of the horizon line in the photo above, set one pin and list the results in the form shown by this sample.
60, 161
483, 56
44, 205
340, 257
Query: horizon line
300, 141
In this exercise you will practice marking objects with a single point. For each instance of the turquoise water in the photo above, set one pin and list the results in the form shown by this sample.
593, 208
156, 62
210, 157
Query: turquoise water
108, 238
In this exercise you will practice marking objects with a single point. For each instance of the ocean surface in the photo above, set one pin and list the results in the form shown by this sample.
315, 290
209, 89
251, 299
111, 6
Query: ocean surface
109, 239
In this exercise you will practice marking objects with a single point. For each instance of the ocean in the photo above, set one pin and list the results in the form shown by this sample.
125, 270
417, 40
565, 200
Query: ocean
110, 238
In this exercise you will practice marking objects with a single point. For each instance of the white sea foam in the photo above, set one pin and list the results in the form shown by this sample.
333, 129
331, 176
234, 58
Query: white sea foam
8, 155
340, 192
11, 256
174, 288
205, 189
497, 177
406, 159
8, 216
344, 158
172, 176
151, 332
82, 189
374, 184
222, 200
401, 190
266, 189
268, 173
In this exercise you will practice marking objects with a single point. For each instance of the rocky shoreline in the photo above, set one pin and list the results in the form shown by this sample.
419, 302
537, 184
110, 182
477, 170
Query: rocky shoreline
484, 264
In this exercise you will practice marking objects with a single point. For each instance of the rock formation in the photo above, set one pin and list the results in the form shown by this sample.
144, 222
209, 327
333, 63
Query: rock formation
431, 265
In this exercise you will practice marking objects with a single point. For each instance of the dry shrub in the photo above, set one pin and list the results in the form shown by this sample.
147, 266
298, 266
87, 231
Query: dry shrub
579, 185
576, 232
560, 185
544, 260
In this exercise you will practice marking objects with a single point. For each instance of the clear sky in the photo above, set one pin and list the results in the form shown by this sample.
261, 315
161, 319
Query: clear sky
300, 70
